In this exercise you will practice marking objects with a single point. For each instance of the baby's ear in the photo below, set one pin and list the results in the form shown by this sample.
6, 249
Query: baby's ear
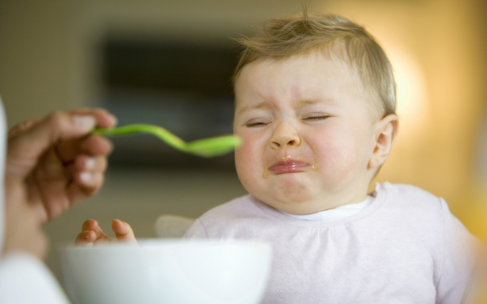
385, 134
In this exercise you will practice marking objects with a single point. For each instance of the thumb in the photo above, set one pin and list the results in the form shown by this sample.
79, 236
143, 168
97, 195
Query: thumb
32, 141
28, 141
123, 231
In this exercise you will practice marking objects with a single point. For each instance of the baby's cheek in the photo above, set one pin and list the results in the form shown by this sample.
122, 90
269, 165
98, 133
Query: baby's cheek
247, 162
251, 151
241, 161
338, 159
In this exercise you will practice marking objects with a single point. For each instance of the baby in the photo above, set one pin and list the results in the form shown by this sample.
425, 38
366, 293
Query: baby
315, 107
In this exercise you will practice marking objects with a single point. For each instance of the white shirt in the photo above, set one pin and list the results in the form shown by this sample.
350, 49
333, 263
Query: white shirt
336, 213
24, 279
405, 247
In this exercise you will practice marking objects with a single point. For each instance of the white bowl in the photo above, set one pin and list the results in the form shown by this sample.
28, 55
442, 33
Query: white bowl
167, 271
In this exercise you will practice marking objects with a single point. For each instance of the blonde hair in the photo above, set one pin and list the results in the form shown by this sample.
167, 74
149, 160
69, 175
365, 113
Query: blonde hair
332, 35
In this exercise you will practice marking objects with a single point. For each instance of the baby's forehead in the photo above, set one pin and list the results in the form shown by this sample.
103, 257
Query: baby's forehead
307, 71
304, 76
266, 86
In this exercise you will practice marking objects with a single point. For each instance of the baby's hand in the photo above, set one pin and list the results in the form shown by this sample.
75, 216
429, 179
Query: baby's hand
91, 233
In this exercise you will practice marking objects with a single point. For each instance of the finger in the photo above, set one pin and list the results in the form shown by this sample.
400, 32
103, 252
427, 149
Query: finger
62, 187
93, 226
88, 180
103, 117
37, 135
123, 231
49, 182
84, 185
100, 236
87, 237
85, 163
26, 147
92, 144
89, 224
96, 145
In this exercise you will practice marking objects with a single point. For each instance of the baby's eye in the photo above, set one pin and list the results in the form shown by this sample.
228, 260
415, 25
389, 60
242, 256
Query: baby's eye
318, 117
255, 124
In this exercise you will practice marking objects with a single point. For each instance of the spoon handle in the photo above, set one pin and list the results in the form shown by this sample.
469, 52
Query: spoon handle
162, 133
207, 147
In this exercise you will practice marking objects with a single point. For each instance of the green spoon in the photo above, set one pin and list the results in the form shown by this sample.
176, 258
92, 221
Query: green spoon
208, 147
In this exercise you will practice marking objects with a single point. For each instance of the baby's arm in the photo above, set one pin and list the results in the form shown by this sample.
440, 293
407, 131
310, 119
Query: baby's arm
458, 269
91, 233
196, 231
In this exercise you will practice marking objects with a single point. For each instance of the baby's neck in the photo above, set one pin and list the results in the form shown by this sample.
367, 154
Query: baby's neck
335, 213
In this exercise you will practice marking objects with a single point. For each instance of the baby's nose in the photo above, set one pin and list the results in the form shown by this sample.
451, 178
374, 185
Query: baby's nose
284, 136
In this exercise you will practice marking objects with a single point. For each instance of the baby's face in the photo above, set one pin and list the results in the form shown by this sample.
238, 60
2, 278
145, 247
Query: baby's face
308, 133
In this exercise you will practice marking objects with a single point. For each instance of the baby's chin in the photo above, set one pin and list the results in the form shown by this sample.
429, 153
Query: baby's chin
295, 207
294, 202
299, 199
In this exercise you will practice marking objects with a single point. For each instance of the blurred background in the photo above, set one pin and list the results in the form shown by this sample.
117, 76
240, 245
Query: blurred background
169, 62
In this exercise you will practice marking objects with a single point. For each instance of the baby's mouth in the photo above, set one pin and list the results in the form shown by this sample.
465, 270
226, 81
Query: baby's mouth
288, 166
284, 163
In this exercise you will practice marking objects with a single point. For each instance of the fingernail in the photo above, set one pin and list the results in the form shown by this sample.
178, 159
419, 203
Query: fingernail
84, 122
115, 120
86, 176
89, 163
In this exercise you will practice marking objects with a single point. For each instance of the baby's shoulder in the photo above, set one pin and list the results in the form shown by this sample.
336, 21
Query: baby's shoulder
425, 215
413, 207
420, 212
410, 197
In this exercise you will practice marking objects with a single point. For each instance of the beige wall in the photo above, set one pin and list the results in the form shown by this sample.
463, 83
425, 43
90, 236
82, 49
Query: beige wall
49, 48
33, 58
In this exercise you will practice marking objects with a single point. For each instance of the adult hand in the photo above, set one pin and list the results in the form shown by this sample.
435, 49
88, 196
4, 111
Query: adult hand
52, 163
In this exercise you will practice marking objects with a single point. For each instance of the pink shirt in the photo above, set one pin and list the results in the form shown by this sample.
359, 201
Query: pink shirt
405, 247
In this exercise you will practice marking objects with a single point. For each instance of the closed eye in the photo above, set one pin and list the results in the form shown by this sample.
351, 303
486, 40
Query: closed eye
255, 124
316, 117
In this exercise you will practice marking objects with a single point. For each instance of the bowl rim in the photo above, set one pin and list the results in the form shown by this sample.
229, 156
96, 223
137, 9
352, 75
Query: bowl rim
169, 243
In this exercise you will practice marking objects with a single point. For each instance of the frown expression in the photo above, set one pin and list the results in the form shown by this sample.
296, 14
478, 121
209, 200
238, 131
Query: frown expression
308, 133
